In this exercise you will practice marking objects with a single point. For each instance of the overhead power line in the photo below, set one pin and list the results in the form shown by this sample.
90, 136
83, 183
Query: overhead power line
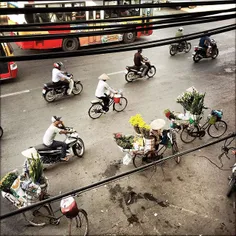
96, 51
113, 31
98, 26
125, 19
8, 11
111, 179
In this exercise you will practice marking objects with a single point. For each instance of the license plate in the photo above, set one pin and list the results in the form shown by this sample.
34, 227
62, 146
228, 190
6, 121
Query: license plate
44, 91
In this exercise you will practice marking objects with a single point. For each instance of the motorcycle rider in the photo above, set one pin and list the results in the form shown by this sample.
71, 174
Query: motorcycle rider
139, 62
48, 138
59, 78
102, 89
205, 43
178, 34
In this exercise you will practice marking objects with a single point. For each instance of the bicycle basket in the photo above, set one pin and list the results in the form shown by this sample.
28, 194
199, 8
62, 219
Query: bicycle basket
217, 113
69, 207
212, 119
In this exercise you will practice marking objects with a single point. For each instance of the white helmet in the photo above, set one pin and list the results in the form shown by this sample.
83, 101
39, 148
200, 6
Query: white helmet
180, 29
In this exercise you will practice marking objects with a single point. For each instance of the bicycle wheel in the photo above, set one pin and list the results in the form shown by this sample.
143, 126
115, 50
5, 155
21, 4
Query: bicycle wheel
79, 224
186, 134
218, 129
95, 111
175, 150
121, 105
138, 160
38, 216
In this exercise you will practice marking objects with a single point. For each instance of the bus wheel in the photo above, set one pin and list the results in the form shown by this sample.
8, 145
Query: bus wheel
70, 44
129, 37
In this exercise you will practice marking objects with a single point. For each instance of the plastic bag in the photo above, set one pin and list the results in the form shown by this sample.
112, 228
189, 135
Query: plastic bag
127, 159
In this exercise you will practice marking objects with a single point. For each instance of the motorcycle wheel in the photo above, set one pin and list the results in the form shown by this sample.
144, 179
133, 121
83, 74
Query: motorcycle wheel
215, 54
173, 50
79, 148
50, 96
78, 88
1, 132
186, 50
130, 76
95, 111
151, 72
196, 58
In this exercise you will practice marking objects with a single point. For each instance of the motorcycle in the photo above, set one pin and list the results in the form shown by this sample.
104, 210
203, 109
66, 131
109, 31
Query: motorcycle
200, 52
134, 72
53, 91
179, 47
232, 178
75, 145
1, 132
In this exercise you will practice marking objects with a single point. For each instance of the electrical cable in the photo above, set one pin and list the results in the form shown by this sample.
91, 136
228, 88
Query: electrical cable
85, 52
191, 17
9, 11
5, 27
110, 179
107, 32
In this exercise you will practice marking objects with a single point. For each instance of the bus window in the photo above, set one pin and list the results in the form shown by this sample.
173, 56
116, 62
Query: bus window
79, 15
122, 12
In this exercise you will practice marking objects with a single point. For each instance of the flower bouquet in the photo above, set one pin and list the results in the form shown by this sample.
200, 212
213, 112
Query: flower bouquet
136, 121
192, 101
140, 126
7, 181
124, 141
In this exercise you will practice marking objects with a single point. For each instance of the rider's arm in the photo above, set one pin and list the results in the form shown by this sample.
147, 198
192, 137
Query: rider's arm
109, 88
63, 76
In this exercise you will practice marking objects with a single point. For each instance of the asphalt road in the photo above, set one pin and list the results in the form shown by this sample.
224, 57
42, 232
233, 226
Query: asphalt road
195, 189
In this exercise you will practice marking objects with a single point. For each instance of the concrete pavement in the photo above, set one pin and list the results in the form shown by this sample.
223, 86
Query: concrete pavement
176, 199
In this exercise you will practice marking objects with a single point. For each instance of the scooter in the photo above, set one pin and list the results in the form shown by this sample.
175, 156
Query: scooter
179, 47
75, 146
53, 91
133, 72
200, 52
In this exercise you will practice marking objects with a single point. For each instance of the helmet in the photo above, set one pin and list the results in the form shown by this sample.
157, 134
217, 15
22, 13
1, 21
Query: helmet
140, 50
180, 29
55, 118
58, 65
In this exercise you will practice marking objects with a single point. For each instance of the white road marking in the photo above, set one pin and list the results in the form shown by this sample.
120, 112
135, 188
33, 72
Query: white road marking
13, 94
118, 72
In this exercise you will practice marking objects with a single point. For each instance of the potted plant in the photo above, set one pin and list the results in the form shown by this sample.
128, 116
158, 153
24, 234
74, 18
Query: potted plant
36, 171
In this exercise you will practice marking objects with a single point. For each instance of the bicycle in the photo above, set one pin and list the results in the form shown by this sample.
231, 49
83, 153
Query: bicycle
118, 101
214, 123
78, 219
141, 158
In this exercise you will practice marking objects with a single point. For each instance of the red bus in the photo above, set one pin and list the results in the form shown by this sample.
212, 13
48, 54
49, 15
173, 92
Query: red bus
8, 70
72, 44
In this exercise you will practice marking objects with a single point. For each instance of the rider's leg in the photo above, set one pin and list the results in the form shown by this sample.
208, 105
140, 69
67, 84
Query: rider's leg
63, 146
106, 103
145, 70
71, 85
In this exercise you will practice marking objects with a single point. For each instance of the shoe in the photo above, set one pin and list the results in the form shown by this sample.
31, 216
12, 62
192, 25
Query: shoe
65, 159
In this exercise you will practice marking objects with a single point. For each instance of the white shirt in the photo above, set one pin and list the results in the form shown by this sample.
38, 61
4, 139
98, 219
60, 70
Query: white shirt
102, 87
57, 75
50, 135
